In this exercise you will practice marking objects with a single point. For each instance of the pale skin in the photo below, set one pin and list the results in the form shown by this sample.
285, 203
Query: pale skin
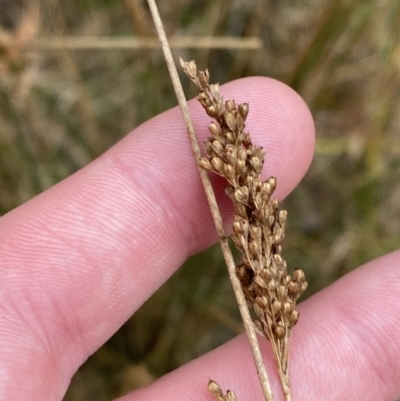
78, 260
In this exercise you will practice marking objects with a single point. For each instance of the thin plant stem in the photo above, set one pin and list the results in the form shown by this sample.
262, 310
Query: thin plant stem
223, 238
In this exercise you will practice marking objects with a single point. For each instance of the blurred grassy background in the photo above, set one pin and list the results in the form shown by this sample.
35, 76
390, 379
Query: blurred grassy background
62, 107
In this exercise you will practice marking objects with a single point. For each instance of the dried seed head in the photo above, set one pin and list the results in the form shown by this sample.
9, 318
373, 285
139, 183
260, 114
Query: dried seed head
215, 388
259, 224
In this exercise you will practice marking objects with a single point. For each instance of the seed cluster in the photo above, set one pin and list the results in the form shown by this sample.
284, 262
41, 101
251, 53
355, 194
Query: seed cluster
259, 224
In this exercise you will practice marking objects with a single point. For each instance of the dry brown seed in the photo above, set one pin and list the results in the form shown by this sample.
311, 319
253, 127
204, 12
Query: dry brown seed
215, 130
240, 166
214, 90
257, 164
229, 171
217, 164
272, 285
262, 301
190, 68
287, 308
276, 306
294, 318
258, 309
241, 210
255, 232
242, 195
204, 164
217, 146
243, 109
282, 292
230, 105
230, 396
230, 137
246, 139
254, 248
266, 190
204, 77
299, 276
293, 288
215, 388
279, 331
241, 154
278, 260
230, 120
212, 111
272, 181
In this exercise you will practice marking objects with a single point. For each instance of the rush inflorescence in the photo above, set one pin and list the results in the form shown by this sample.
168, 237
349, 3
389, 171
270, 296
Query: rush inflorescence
259, 223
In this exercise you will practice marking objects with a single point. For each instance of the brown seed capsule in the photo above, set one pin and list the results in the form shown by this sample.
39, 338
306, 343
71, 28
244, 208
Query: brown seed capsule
278, 260
229, 171
279, 331
254, 248
211, 111
262, 302
287, 308
282, 217
217, 146
255, 233
294, 318
214, 89
214, 387
230, 137
242, 195
276, 306
230, 396
241, 210
230, 105
204, 78
243, 109
204, 164
299, 276
230, 120
217, 164
271, 285
246, 139
215, 130
189, 67
241, 154
293, 289
256, 163
266, 191
282, 292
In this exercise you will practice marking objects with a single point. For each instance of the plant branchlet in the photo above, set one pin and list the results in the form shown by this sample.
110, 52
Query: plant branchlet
259, 223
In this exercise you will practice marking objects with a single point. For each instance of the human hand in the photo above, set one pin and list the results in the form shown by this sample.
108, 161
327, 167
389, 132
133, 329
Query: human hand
80, 258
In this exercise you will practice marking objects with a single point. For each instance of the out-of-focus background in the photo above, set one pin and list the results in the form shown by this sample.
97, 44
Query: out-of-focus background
77, 75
